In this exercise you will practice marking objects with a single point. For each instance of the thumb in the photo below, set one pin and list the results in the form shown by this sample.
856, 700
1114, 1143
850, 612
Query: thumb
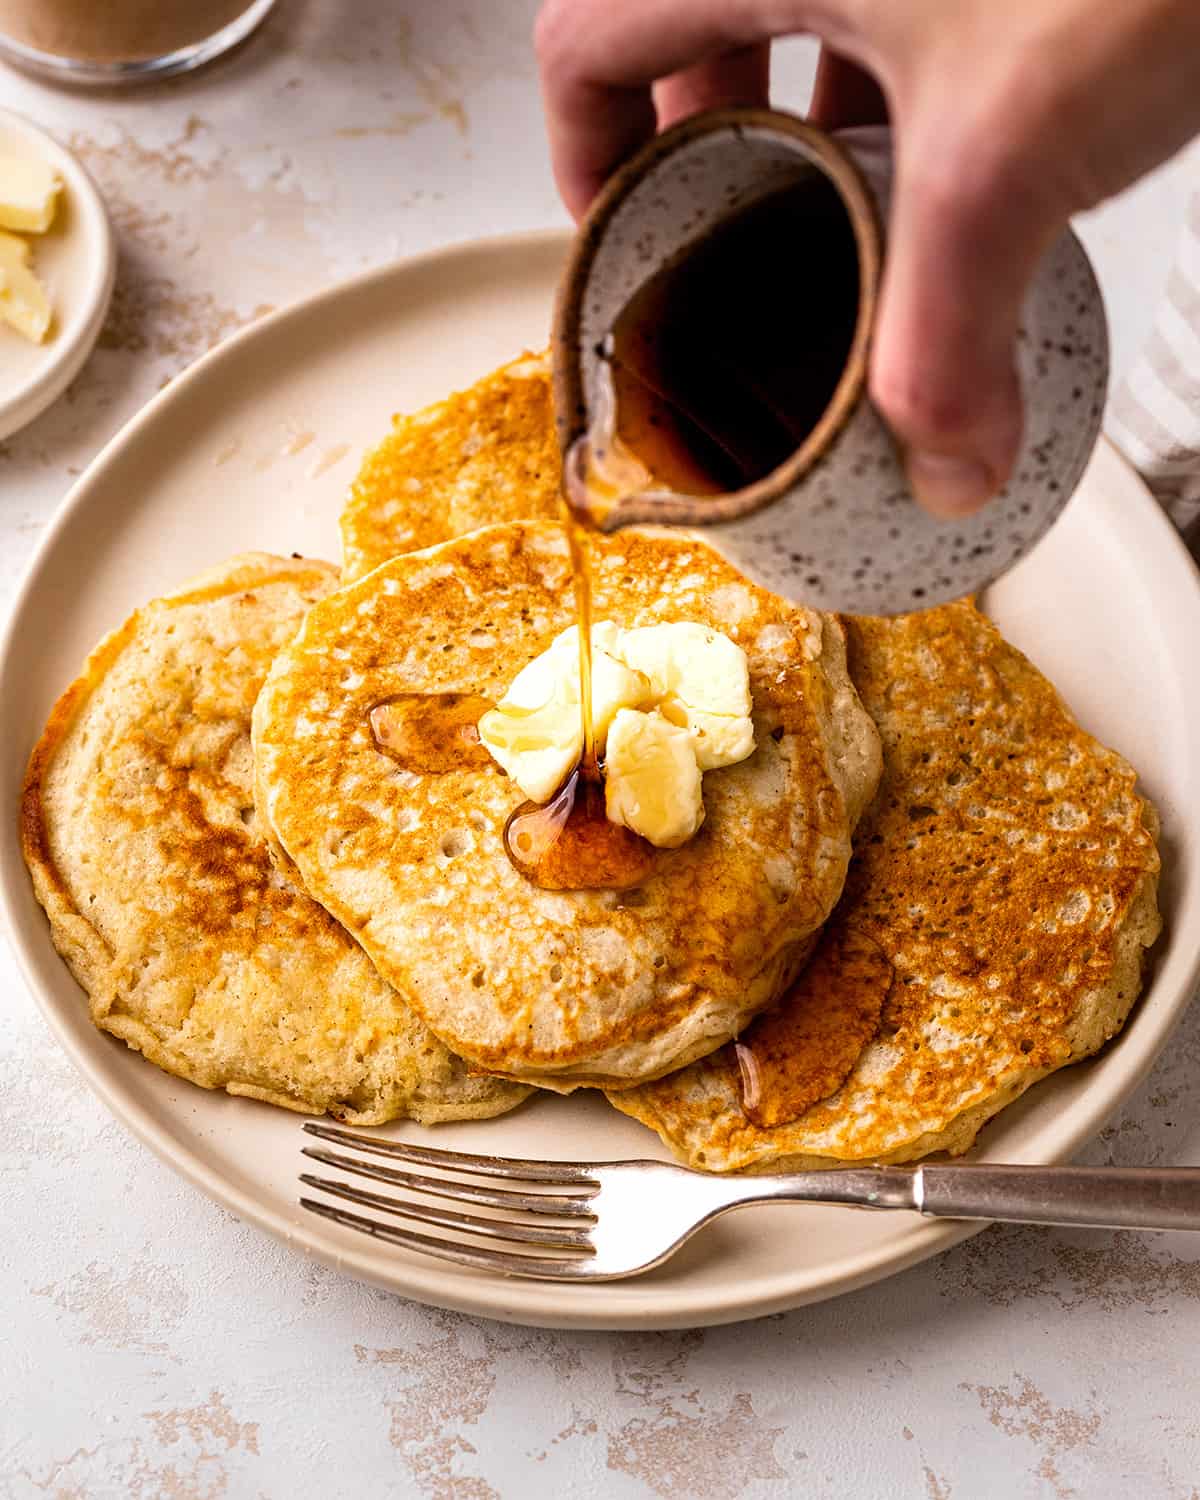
962, 250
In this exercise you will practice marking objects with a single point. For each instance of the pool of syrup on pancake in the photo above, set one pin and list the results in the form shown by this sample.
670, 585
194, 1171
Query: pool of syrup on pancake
431, 733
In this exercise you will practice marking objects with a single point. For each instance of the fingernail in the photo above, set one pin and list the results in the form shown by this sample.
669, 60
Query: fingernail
948, 485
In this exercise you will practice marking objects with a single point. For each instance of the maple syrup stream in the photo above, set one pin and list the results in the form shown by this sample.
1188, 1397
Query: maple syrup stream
568, 843
712, 375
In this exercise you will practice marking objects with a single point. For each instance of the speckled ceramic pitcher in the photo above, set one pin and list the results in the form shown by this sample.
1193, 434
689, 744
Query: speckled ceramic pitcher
836, 524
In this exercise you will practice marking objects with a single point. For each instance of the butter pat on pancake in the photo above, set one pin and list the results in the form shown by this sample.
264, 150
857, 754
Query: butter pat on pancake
535, 731
652, 782
1008, 871
484, 455
139, 830
660, 742
566, 987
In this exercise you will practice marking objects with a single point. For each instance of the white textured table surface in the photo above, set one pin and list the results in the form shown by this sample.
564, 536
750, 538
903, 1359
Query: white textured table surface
152, 1346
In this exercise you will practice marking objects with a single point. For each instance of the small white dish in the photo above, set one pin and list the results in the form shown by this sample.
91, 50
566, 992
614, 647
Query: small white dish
76, 260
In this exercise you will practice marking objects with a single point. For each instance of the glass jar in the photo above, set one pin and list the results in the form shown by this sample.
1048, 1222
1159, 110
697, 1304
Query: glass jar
121, 41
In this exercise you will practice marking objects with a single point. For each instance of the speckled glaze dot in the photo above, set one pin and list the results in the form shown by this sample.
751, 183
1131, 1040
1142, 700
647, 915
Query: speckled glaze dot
836, 526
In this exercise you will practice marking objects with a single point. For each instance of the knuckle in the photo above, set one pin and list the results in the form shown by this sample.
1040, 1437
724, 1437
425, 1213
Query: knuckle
951, 405
924, 412
967, 182
1004, 149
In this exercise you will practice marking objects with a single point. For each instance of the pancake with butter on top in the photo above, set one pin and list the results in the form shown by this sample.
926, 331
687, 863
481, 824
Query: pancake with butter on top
561, 987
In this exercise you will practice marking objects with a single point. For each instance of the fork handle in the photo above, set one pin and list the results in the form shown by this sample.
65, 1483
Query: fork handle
1091, 1197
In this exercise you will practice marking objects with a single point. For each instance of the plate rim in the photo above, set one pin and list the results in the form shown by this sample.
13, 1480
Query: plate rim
602, 1306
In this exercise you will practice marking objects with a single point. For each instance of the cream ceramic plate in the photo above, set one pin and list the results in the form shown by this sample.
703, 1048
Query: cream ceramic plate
76, 262
254, 448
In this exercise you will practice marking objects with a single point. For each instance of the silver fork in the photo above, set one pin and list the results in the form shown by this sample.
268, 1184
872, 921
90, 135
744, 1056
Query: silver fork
599, 1221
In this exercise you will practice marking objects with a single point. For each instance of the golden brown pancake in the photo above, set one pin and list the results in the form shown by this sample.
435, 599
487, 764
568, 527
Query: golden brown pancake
804, 1048
139, 830
1008, 871
560, 988
484, 455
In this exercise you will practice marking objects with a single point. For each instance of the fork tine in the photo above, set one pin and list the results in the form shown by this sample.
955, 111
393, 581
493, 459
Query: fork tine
461, 1192
549, 1236
460, 1161
540, 1267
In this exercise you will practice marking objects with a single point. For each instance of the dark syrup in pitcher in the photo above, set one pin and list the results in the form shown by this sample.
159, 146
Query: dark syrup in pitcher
724, 361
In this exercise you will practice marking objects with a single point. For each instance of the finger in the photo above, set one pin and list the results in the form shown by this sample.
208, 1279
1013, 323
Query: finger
845, 95
599, 58
741, 77
961, 252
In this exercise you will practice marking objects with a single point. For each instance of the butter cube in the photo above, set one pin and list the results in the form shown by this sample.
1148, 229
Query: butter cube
699, 678
651, 779
614, 684
720, 739
14, 251
23, 301
28, 194
536, 730
668, 703
538, 747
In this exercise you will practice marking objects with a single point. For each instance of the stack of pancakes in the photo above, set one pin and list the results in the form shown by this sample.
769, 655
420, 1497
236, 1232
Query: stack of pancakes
926, 889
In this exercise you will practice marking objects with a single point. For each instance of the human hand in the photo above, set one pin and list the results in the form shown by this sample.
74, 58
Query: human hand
1007, 120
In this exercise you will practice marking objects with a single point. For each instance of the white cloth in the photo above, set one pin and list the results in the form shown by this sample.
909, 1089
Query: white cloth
1154, 416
